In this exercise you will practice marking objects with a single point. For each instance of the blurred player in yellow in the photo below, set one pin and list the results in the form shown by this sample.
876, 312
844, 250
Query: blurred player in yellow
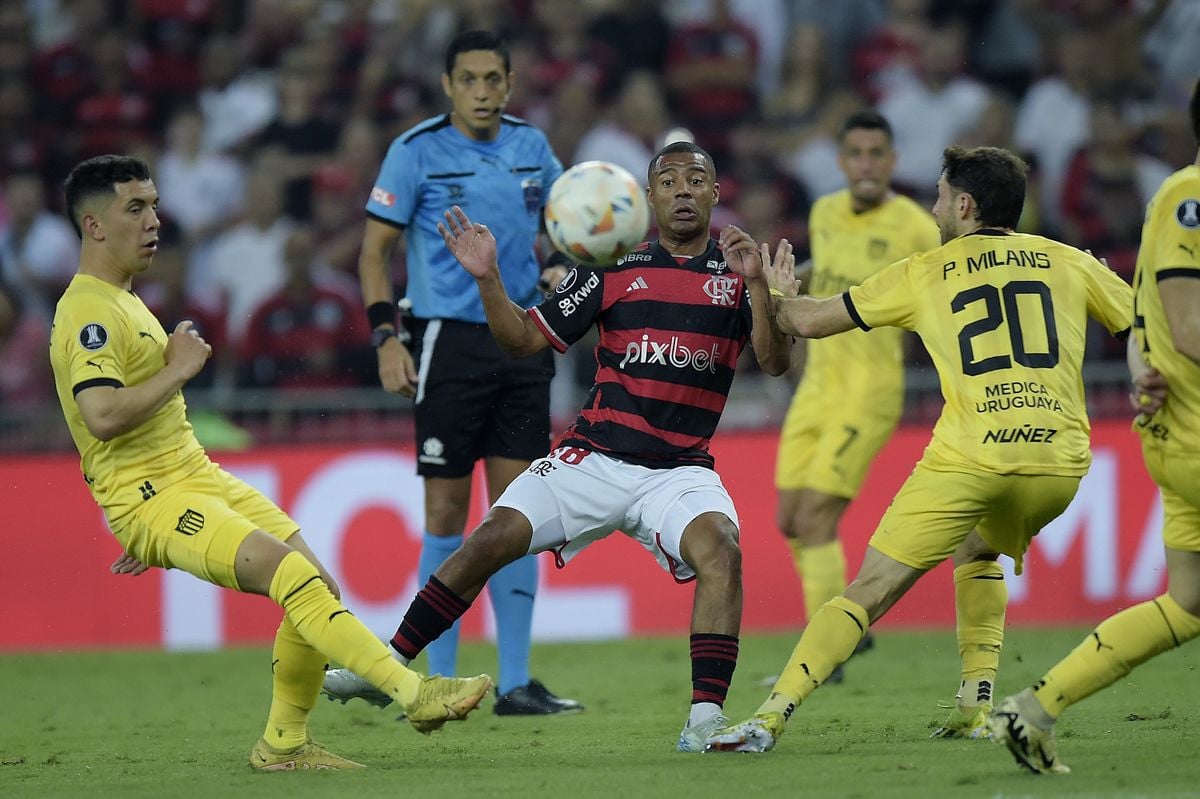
852, 392
119, 377
1166, 343
1003, 316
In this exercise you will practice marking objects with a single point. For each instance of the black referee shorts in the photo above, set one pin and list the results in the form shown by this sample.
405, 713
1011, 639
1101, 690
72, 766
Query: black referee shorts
473, 401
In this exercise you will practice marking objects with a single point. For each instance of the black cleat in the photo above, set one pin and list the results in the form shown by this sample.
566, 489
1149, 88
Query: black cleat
533, 699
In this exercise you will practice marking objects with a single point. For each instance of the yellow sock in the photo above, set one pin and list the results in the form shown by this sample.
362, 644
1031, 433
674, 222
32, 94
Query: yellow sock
329, 628
980, 598
296, 673
827, 642
822, 571
1117, 646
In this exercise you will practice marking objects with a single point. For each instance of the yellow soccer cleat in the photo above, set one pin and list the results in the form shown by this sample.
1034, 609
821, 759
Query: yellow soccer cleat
1033, 747
442, 699
759, 733
307, 756
965, 722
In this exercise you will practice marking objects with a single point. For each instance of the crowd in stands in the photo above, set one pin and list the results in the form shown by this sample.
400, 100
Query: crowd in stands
265, 122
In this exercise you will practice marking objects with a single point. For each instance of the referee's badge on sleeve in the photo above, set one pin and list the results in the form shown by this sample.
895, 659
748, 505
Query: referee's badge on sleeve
531, 188
93, 336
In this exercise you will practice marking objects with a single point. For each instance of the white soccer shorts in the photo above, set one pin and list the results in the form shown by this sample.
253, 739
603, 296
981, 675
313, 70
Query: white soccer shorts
574, 497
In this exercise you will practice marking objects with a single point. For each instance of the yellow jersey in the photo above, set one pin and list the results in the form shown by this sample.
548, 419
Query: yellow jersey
1003, 316
847, 248
105, 336
1170, 248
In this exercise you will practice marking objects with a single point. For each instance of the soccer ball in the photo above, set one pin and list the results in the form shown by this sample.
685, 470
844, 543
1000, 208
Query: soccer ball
596, 213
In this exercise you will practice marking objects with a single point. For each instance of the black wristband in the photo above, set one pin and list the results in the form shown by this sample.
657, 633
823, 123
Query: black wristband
381, 313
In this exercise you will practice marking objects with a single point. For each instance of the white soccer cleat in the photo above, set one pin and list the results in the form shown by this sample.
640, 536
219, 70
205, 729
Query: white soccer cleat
344, 685
759, 733
1032, 746
695, 737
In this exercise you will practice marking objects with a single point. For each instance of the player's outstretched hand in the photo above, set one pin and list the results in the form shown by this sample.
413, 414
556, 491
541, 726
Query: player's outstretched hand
781, 270
472, 244
1149, 392
741, 252
127, 564
186, 350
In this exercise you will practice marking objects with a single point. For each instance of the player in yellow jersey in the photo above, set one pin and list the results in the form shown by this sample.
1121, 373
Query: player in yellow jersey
1166, 342
119, 377
851, 396
1003, 316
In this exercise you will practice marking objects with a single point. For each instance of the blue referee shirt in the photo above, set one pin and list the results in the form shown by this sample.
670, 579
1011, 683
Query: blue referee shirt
502, 183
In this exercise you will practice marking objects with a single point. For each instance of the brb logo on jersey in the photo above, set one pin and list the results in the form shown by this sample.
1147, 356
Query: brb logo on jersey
93, 336
722, 290
671, 353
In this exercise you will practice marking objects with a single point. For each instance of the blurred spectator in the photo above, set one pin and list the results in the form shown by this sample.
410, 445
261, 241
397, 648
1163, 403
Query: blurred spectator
246, 262
1171, 46
200, 190
635, 34
794, 111
573, 112
711, 67
302, 136
930, 109
63, 69
26, 141
1053, 117
629, 135
116, 113
893, 48
843, 25
25, 380
236, 103
38, 249
306, 335
812, 157
337, 218
1005, 47
164, 290
1107, 187
767, 19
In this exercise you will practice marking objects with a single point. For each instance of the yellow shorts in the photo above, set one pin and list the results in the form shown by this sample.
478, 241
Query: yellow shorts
198, 523
1178, 477
935, 510
828, 452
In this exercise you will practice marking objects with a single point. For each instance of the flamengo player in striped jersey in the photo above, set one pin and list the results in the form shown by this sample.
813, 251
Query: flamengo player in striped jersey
1166, 342
673, 317
1003, 316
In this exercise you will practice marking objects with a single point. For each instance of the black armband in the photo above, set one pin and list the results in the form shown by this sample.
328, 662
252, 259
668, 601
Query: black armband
381, 313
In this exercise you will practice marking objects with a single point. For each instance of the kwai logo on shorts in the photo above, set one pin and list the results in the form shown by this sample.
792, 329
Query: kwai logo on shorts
93, 336
432, 450
671, 353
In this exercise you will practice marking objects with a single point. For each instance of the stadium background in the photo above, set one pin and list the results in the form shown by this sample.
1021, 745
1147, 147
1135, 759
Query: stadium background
265, 123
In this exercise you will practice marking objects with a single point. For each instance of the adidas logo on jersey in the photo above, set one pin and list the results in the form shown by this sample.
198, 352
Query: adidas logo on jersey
640, 283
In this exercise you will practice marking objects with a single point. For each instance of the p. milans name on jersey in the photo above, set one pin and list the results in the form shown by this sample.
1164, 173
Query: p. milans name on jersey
991, 259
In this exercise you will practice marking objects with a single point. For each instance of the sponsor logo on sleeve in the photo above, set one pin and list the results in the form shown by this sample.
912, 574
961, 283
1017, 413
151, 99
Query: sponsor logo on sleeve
572, 301
93, 336
385, 198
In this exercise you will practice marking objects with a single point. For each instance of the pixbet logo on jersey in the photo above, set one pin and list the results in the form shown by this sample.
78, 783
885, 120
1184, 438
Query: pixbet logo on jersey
671, 353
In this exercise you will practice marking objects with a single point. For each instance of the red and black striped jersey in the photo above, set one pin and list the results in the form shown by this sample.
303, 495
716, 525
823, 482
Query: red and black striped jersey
670, 336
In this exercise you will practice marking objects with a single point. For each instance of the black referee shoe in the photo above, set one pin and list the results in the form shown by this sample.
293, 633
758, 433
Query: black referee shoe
533, 699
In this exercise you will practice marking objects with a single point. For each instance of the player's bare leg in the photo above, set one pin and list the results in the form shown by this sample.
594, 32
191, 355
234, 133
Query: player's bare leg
710, 546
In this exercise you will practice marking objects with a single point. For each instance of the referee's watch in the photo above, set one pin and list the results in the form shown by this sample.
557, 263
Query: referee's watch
380, 336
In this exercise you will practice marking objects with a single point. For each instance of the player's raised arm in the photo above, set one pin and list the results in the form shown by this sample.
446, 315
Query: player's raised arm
110, 411
772, 348
475, 248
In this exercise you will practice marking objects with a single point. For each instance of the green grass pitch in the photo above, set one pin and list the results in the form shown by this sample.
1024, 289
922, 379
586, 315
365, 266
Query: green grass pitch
132, 724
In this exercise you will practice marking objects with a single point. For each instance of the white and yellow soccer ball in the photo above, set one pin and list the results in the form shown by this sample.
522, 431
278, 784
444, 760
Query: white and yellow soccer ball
596, 213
